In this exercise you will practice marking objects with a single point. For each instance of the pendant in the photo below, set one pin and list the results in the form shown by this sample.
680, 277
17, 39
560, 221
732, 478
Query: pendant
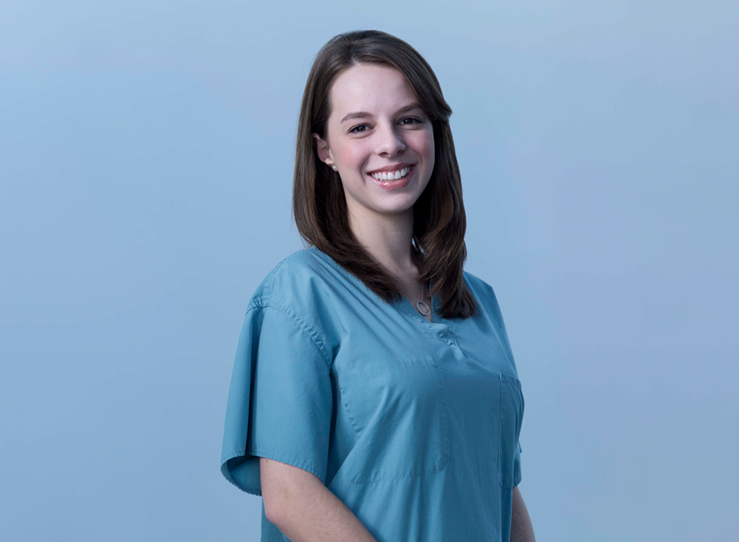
418, 308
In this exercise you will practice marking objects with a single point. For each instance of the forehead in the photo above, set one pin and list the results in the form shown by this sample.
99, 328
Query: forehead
373, 88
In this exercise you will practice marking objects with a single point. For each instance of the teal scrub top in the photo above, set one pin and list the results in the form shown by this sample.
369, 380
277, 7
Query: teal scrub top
412, 424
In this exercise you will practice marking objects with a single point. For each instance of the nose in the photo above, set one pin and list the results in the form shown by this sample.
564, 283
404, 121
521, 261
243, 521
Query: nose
389, 140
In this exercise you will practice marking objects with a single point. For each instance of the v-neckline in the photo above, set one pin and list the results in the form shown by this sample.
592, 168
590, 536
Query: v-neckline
405, 304
402, 304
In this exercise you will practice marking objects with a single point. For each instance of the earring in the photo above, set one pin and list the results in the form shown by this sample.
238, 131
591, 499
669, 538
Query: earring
334, 167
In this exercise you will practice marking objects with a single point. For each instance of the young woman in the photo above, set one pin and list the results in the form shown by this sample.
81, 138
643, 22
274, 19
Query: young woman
374, 393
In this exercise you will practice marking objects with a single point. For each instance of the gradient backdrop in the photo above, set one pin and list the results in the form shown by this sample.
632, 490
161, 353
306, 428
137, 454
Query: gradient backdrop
146, 158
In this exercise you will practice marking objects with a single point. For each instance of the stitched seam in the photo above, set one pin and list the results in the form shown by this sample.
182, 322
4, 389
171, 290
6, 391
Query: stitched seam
270, 276
312, 333
446, 443
503, 383
500, 433
265, 301
286, 459
352, 420
499, 328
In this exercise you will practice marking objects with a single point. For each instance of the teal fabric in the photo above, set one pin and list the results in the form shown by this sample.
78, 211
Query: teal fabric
412, 424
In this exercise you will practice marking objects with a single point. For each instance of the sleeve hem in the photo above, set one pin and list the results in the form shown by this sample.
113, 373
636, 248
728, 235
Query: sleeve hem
308, 467
251, 482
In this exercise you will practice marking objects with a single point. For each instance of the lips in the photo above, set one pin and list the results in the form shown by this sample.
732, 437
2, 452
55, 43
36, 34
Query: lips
393, 185
394, 167
410, 169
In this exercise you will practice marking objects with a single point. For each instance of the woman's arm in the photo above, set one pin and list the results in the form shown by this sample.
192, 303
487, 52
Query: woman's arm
304, 509
521, 528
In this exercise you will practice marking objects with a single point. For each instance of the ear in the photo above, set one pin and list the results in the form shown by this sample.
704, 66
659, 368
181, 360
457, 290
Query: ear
324, 153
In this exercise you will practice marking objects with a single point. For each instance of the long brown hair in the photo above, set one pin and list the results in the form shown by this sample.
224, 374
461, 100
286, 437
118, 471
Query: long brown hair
319, 204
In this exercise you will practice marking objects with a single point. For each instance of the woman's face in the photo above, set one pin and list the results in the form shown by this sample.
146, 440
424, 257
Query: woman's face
377, 124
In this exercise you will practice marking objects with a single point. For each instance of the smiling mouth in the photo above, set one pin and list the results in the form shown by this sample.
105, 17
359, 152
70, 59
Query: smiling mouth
390, 176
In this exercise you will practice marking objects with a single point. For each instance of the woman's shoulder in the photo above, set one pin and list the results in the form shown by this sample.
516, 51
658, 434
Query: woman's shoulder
308, 285
485, 294
477, 284
290, 281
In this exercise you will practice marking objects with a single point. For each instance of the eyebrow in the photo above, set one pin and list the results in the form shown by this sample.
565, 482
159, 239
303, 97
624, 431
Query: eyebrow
364, 114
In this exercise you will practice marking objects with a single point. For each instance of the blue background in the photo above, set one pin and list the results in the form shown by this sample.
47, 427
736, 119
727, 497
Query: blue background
146, 165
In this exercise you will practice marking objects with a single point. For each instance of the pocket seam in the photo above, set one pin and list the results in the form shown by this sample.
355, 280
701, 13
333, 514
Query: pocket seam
345, 405
517, 423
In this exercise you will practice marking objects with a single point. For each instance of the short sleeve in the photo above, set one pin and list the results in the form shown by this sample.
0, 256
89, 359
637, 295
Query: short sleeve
517, 465
280, 398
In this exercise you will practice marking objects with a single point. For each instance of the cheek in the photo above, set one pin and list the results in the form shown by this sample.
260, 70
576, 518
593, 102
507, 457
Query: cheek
351, 151
423, 142
356, 156
426, 143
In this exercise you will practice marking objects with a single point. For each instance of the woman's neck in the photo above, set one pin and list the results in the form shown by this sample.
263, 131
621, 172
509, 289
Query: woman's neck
388, 238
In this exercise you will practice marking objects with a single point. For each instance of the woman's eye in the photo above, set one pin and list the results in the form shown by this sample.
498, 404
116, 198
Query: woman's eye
356, 129
411, 118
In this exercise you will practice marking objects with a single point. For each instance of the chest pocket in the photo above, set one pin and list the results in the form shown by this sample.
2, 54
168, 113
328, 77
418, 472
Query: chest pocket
509, 427
398, 409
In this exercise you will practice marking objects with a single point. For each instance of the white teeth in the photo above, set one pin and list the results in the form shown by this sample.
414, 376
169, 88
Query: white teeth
391, 175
